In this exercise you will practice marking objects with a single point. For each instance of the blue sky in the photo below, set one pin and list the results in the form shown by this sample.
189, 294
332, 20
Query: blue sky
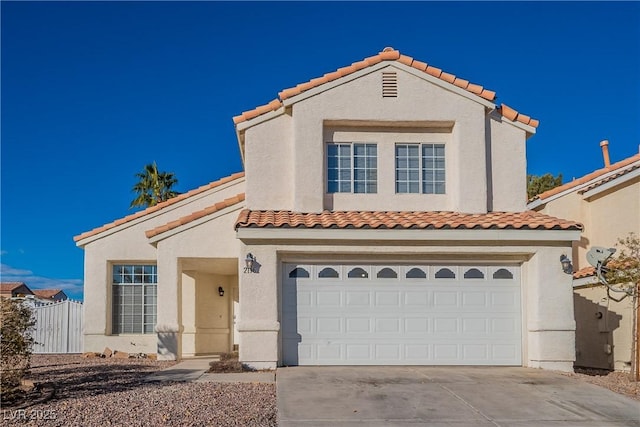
92, 91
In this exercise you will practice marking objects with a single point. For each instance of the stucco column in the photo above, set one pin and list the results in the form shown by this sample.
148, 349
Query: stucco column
168, 326
469, 164
96, 298
188, 300
259, 326
550, 323
308, 176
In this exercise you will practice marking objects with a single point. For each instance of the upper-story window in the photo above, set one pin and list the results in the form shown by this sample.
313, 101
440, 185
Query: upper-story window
420, 168
352, 168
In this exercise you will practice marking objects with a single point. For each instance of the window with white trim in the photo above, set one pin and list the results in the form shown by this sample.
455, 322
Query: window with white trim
352, 168
134, 298
420, 168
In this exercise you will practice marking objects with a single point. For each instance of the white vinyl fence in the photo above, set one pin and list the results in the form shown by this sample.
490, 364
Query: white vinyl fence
58, 327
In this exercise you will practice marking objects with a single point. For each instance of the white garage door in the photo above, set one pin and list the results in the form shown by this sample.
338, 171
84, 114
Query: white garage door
401, 315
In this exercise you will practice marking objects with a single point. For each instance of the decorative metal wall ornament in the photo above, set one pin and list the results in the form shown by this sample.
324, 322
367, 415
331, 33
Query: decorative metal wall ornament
567, 267
250, 263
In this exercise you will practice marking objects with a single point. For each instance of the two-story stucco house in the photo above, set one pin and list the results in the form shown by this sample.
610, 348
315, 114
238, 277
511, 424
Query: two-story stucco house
380, 220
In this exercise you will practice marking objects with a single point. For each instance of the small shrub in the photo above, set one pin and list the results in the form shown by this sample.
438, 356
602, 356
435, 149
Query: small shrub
16, 342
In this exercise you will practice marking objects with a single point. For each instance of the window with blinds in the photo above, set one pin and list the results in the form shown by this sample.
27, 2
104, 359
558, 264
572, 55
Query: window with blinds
134, 296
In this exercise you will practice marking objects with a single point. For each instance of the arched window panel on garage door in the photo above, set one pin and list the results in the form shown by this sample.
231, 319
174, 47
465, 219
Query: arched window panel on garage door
328, 273
503, 273
358, 273
474, 273
445, 272
416, 273
299, 273
387, 273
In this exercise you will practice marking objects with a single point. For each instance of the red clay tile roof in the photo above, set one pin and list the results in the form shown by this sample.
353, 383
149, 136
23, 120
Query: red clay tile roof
592, 176
196, 215
404, 220
10, 286
622, 172
160, 206
46, 293
388, 54
514, 116
584, 272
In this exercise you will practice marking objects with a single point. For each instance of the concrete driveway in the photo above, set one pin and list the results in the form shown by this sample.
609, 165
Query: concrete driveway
445, 396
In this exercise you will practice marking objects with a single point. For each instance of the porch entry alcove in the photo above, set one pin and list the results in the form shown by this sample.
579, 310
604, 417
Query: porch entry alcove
207, 317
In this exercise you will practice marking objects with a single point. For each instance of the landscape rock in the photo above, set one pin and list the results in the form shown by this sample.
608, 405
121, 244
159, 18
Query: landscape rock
90, 355
107, 352
120, 355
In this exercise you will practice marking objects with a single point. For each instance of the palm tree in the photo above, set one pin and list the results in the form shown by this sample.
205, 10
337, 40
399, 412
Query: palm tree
153, 187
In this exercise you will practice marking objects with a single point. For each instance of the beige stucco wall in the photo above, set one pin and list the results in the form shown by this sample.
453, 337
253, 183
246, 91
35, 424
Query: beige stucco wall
287, 154
508, 167
613, 214
548, 326
607, 216
603, 340
128, 244
268, 164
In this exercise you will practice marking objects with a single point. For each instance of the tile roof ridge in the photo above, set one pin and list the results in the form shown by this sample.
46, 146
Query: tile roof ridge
216, 207
588, 177
160, 206
387, 54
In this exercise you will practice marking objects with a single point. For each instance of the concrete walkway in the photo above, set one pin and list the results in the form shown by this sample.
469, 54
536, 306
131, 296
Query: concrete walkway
195, 370
445, 396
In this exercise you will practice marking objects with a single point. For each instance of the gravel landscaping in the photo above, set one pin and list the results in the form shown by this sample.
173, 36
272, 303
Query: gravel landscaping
75, 391
619, 382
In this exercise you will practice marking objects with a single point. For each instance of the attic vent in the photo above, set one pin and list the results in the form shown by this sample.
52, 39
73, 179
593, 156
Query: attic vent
389, 85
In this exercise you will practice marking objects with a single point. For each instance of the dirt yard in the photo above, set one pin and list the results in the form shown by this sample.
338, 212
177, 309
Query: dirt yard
72, 390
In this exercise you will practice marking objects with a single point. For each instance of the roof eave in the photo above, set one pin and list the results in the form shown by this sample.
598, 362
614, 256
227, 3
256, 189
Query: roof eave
612, 183
276, 233
89, 239
541, 202
172, 232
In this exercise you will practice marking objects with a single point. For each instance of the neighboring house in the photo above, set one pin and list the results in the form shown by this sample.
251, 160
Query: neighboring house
50, 295
607, 202
381, 220
14, 290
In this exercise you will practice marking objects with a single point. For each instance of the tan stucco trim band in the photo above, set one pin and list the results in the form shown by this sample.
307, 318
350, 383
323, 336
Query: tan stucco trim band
407, 235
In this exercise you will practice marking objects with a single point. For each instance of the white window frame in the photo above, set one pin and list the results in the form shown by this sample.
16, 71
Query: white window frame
357, 178
134, 290
430, 169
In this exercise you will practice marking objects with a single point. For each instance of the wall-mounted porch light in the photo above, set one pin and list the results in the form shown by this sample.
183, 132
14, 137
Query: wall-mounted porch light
220, 291
566, 264
249, 263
